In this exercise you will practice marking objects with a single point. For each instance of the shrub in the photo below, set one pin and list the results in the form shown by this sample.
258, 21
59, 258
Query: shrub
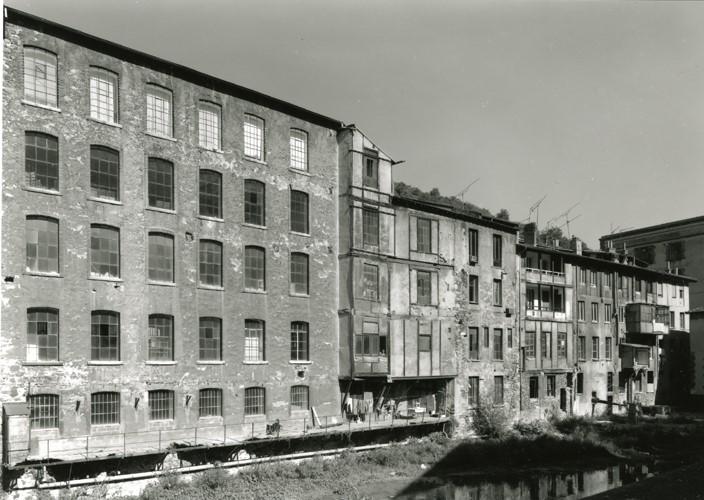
490, 421
212, 479
532, 428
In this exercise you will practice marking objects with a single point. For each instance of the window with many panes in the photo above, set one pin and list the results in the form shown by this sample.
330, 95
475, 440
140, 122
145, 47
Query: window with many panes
370, 282
159, 111
424, 288
43, 411
209, 125
472, 391
254, 137
104, 408
370, 174
210, 263
370, 341
210, 194
161, 405
104, 95
530, 345
42, 244
473, 290
160, 180
105, 336
210, 339
254, 340
254, 268
370, 227
299, 274
104, 173
209, 403
42, 334
473, 238
41, 161
299, 212
254, 203
424, 235
254, 401
607, 313
299, 149
497, 250
498, 344
473, 339
299, 341
161, 257
498, 390
161, 337
299, 397
40, 82
582, 348
498, 294
104, 251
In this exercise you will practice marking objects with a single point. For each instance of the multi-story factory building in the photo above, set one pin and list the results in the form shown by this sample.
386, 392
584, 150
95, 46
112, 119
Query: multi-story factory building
675, 247
427, 296
596, 327
169, 244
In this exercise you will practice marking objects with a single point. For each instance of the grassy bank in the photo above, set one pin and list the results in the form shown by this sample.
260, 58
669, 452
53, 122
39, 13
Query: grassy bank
575, 441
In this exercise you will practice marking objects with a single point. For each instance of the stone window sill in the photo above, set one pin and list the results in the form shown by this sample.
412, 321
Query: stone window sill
42, 106
299, 171
161, 283
307, 235
105, 363
42, 363
103, 122
211, 150
105, 278
160, 363
301, 362
255, 362
159, 136
42, 275
210, 362
208, 218
300, 295
255, 226
105, 200
162, 210
258, 292
254, 160
41, 191
211, 288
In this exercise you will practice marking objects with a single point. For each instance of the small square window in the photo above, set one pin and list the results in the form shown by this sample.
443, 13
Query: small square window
209, 403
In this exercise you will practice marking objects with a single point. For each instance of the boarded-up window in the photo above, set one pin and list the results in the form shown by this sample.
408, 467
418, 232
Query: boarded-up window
370, 175
424, 343
498, 390
370, 227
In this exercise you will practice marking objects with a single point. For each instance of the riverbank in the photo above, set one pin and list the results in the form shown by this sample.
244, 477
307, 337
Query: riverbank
382, 473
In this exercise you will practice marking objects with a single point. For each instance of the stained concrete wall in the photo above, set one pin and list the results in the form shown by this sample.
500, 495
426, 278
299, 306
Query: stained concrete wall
74, 293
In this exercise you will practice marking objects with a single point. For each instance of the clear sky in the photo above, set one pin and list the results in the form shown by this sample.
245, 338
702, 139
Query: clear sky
596, 103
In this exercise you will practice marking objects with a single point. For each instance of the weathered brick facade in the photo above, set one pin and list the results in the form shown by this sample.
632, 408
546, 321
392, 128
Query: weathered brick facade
74, 292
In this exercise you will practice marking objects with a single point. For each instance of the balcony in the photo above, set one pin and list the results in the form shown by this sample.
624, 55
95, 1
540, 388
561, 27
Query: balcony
371, 365
545, 276
647, 319
634, 355
546, 314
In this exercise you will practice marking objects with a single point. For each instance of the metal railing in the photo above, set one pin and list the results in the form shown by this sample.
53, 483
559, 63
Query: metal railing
126, 444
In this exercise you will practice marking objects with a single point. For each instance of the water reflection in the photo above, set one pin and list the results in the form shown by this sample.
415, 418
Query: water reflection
538, 486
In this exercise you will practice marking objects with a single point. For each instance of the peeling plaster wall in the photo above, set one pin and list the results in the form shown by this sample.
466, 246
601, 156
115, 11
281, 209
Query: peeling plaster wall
75, 294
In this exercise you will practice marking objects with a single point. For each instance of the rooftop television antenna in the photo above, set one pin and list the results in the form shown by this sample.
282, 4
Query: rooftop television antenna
460, 195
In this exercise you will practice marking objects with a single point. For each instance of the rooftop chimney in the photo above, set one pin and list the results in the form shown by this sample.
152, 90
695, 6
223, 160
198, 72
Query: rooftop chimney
576, 245
530, 234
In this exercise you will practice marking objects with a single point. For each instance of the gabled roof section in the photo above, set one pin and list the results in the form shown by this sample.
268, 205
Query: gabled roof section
657, 227
588, 260
366, 139
448, 211
19, 18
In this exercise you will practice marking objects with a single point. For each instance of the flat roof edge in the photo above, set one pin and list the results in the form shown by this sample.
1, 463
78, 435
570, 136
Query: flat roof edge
24, 19
656, 227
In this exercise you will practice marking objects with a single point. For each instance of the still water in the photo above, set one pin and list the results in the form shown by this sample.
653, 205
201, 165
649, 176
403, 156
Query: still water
538, 486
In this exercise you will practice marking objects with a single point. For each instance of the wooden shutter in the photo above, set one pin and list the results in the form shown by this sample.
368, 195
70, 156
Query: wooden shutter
413, 286
413, 236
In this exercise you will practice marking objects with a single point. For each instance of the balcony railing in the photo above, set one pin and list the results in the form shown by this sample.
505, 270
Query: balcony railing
647, 318
546, 313
545, 276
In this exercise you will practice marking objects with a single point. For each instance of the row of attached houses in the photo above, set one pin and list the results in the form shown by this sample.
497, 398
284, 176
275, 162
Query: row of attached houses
184, 257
